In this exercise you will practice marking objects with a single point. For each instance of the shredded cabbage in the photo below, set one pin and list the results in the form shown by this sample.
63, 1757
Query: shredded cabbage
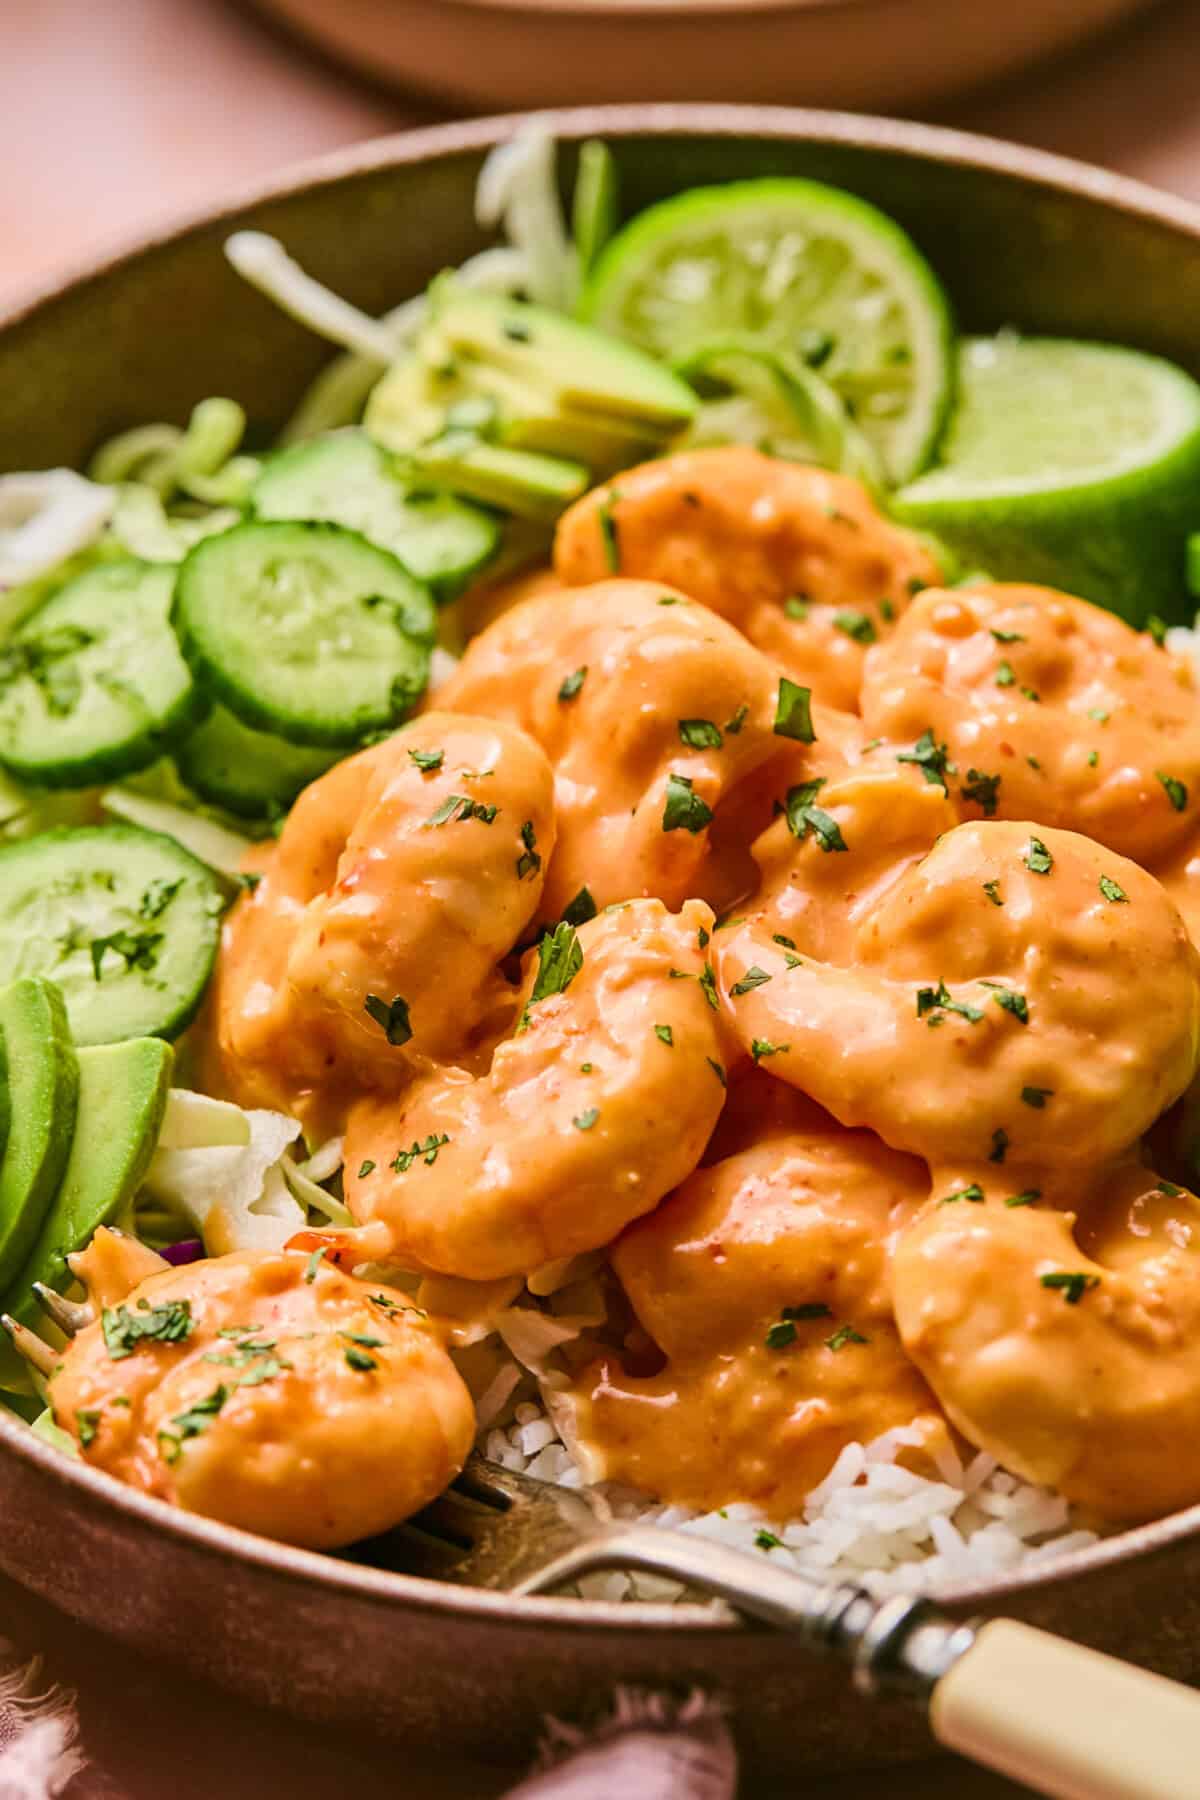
45, 518
518, 189
265, 264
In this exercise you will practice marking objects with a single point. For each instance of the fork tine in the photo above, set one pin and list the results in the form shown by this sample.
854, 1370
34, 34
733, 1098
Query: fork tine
68, 1315
28, 1344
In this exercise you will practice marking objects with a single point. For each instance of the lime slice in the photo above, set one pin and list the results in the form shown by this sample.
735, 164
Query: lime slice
804, 266
1072, 464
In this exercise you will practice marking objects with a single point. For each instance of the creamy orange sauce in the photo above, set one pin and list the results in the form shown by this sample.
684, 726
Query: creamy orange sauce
898, 1083
802, 562
289, 1400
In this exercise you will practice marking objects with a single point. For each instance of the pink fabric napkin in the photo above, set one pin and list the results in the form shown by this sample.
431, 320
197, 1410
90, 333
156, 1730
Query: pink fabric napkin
38, 1732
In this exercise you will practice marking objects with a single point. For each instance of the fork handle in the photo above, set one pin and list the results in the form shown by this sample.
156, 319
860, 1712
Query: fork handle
1068, 1721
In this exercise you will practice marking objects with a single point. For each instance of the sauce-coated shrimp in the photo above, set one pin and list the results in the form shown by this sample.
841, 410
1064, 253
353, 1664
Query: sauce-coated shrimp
407, 872
654, 713
1072, 718
1066, 1345
983, 1002
597, 1106
281, 1397
764, 1281
799, 560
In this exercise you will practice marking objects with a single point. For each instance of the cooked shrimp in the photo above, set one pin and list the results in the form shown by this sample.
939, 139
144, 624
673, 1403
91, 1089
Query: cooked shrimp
798, 559
597, 1106
981, 1002
764, 1281
655, 715
278, 1396
400, 880
1066, 714
1064, 1342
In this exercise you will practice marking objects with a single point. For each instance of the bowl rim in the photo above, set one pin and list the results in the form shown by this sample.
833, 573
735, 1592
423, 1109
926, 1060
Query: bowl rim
791, 124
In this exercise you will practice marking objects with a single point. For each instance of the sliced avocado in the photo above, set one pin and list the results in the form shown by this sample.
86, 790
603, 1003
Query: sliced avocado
122, 1099
532, 486
583, 368
42, 1081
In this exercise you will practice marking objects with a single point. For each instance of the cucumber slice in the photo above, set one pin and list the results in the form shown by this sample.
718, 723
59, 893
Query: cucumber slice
305, 630
247, 772
802, 265
42, 1078
345, 479
93, 685
124, 920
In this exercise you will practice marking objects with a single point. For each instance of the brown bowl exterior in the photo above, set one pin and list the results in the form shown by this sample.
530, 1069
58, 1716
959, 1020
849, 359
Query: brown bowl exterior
1020, 239
857, 53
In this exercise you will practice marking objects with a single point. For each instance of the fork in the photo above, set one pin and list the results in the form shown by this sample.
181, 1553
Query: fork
1065, 1720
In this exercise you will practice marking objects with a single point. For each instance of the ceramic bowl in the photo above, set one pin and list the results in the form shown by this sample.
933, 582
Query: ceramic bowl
862, 53
1020, 239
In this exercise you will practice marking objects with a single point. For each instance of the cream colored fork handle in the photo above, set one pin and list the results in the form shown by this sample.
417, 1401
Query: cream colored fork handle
1068, 1721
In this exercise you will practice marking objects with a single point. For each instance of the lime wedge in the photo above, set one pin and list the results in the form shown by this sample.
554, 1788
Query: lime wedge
1072, 464
799, 265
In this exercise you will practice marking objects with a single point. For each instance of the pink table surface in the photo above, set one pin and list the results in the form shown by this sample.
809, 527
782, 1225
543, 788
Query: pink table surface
115, 115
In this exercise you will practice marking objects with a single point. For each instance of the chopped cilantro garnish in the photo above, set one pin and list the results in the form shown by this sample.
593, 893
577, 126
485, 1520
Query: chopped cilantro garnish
428, 760
702, 938
1037, 1097
529, 861
426, 1152
138, 949
683, 810
571, 684
585, 1120
665, 1035
1176, 792
992, 890
1000, 1143
795, 607
857, 625
780, 1335
1004, 674
391, 1015
932, 758
360, 1360
803, 816
157, 896
937, 1002
1098, 713
717, 1070
763, 1047
973, 1192
734, 725
579, 910
700, 734
983, 790
609, 534
708, 983
1072, 1284
1008, 637
1012, 1002
845, 1334
793, 712
887, 611
1029, 1197
1093, 758
766, 1540
365, 1168
1169, 1189
1037, 858
87, 1423
560, 959
1111, 890
753, 978
190, 1424
777, 937
1156, 629
126, 1330
461, 807
313, 1264
1032, 694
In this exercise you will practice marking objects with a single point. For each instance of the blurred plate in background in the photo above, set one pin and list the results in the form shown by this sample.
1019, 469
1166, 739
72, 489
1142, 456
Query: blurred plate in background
898, 54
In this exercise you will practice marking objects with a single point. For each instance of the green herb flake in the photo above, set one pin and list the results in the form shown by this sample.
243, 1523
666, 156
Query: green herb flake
780, 1335
571, 684
683, 810
157, 896
126, 1330
1072, 1285
137, 949
1037, 1097
313, 1264
1012, 1002
560, 958
857, 625
753, 978
1005, 677
579, 910
461, 807
845, 1334
700, 734
717, 1070
796, 607
793, 712
702, 938
1112, 891
391, 1016
708, 983
359, 1360
1032, 694
1169, 1189
585, 1120
529, 861
983, 790
1156, 629
1098, 713
87, 1423
665, 1035
992, 890
934, 1003
425, 1151
887, 611
1000, 1144
1037, 858
428, 760
766, 1540
803, 817
1008, 637
1176, 792
190, 1423
610, 536
973, 1192
734, 725
932, 758
1029, 1197
763, 1047
365, 1168
1093, 758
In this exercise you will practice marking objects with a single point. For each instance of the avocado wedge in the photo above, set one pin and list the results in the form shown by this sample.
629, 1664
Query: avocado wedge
42, 1087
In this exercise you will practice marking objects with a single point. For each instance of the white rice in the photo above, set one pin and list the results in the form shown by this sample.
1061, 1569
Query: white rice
870, 1520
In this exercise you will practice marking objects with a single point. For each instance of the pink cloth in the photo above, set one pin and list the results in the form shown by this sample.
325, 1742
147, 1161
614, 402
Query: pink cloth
648, 1748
